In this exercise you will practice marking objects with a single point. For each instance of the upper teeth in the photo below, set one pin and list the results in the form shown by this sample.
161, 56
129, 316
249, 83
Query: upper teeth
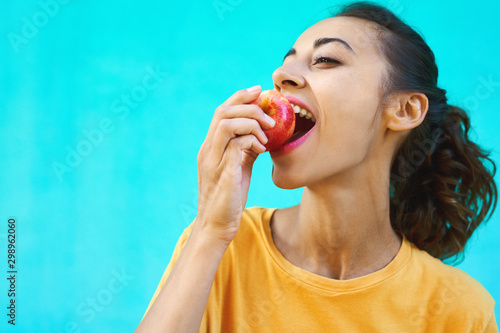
303, 112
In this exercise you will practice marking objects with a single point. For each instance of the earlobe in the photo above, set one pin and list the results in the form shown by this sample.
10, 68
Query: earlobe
409, 112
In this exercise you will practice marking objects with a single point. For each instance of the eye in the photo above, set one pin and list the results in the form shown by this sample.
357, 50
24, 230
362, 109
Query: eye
321, 59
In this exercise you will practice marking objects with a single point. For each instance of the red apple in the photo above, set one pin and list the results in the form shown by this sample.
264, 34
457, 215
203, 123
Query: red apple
279, 108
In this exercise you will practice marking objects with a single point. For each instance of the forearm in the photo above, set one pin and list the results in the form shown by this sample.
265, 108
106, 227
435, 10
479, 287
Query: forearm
181, 303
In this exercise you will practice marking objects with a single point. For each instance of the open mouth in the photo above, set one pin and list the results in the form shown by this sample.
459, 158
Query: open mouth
304, 121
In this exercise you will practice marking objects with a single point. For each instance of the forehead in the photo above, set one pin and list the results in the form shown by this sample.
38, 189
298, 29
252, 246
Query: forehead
360, 34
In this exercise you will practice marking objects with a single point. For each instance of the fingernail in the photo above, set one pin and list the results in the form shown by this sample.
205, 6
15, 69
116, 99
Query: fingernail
270, 120
254, 88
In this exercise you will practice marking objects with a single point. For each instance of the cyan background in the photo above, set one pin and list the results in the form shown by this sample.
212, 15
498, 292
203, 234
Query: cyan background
121, 209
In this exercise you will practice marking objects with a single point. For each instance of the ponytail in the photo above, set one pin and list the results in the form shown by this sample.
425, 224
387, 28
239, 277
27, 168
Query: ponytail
438, 203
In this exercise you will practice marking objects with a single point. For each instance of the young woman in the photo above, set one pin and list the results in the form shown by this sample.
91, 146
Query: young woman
392, 185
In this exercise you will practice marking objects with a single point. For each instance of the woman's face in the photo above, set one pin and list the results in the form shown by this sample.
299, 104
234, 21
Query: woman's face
343, 97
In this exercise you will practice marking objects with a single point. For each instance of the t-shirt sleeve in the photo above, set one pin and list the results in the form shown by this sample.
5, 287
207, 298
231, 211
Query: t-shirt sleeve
492, 325
177, 251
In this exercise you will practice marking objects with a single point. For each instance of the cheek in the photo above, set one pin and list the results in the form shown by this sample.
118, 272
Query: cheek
348, 127
349, 100
348, 114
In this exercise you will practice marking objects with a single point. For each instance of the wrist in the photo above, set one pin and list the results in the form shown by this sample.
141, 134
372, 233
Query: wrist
210, 240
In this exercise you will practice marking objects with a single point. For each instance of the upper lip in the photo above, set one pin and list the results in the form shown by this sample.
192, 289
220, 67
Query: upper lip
297, 101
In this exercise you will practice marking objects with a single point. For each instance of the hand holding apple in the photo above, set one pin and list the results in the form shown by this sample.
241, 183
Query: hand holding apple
279, 108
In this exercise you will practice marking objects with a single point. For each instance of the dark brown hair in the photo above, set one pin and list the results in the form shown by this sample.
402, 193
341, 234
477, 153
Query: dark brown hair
440, 189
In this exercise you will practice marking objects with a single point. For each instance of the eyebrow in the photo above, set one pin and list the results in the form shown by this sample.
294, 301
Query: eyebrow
321, 41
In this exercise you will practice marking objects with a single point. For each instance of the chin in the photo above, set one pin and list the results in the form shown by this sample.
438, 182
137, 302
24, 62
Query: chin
286, 180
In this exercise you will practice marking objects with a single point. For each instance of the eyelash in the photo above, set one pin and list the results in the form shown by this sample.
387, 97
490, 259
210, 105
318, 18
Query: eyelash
331, 60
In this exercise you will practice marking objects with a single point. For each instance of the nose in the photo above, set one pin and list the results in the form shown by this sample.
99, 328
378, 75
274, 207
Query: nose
285, 77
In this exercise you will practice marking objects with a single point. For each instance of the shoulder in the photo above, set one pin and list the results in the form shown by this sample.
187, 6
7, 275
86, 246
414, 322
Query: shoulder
253, 220
256, 213
450, 290
450, 276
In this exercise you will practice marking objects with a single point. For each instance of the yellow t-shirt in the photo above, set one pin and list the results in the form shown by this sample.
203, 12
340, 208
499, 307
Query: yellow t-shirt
257, 290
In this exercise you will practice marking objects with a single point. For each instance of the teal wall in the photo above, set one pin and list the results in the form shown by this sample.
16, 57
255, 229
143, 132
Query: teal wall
95, 232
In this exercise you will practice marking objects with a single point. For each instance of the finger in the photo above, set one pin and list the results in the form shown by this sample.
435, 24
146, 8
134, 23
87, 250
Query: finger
232, 159
231, 128
244, 96
251, 111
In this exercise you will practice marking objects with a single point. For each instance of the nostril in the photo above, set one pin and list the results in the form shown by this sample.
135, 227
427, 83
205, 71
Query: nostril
293, 83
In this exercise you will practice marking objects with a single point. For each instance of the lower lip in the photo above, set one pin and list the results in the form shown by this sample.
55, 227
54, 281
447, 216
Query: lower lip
289, 147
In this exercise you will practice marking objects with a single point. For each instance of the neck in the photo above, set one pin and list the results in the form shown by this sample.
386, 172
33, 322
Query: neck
342, 227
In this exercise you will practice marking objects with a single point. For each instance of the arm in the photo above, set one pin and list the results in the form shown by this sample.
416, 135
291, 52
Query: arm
234, 140
181, 303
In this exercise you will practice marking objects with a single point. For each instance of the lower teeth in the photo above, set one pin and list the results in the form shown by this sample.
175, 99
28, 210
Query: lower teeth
295, 136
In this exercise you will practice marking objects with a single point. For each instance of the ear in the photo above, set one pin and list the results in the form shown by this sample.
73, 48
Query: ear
408, 112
